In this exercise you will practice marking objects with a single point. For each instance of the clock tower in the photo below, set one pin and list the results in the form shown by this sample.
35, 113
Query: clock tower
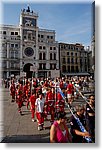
29, 40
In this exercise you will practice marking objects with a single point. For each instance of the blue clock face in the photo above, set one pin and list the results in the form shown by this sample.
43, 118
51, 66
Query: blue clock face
29, 52
29, 21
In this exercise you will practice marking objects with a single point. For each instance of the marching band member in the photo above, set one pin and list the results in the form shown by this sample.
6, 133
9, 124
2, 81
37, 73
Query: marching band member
60, 103
28, 94
70, 90
46, 84
32, 101
25, 89
61, 84
39, 106
50, 101
19, 96
12, 91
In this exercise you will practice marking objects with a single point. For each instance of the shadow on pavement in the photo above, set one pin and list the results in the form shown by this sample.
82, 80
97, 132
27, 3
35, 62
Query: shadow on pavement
41, 138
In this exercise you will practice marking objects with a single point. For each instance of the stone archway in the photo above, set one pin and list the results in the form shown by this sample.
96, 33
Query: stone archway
26, 69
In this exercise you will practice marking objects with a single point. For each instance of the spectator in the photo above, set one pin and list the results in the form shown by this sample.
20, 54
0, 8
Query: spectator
90, 116
59, 131
77, 134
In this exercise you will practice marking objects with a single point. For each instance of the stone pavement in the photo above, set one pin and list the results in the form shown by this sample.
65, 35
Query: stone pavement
16, 128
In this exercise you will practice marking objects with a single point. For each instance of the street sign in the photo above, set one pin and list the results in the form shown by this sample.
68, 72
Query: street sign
22, 74
12, 75
18, 76
93, 67
55, 73
33, 68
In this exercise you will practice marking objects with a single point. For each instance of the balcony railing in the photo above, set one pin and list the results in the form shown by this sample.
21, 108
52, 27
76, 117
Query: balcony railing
46, 30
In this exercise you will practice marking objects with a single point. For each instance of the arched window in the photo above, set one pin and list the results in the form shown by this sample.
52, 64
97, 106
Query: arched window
54, 56
50, 56
63, 68
44, 56
40, 56
72, 69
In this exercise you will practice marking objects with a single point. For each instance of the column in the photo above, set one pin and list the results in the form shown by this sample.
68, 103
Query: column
47, 58
36, 52
8, 59
57, 56
21, 41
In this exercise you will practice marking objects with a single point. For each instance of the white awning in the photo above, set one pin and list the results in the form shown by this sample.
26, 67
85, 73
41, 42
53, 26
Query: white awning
77, 74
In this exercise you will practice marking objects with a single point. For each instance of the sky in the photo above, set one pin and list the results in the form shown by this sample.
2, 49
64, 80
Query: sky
72, 22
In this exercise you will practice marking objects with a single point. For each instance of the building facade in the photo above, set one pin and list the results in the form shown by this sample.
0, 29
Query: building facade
90, 62
29, 49
93, 37
9, 50
73, 58
28, 45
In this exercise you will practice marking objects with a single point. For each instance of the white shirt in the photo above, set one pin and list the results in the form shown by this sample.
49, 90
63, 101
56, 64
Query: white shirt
64, 132
39, 104
44, 90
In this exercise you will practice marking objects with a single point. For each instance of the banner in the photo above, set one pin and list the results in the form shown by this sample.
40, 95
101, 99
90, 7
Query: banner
55, 73
77, 119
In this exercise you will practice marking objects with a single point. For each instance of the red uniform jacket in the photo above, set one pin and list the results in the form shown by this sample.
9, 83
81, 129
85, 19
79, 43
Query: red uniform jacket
50, 98
32, 100
60, 103
19, 95
70, 88
12, 89
61, 85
